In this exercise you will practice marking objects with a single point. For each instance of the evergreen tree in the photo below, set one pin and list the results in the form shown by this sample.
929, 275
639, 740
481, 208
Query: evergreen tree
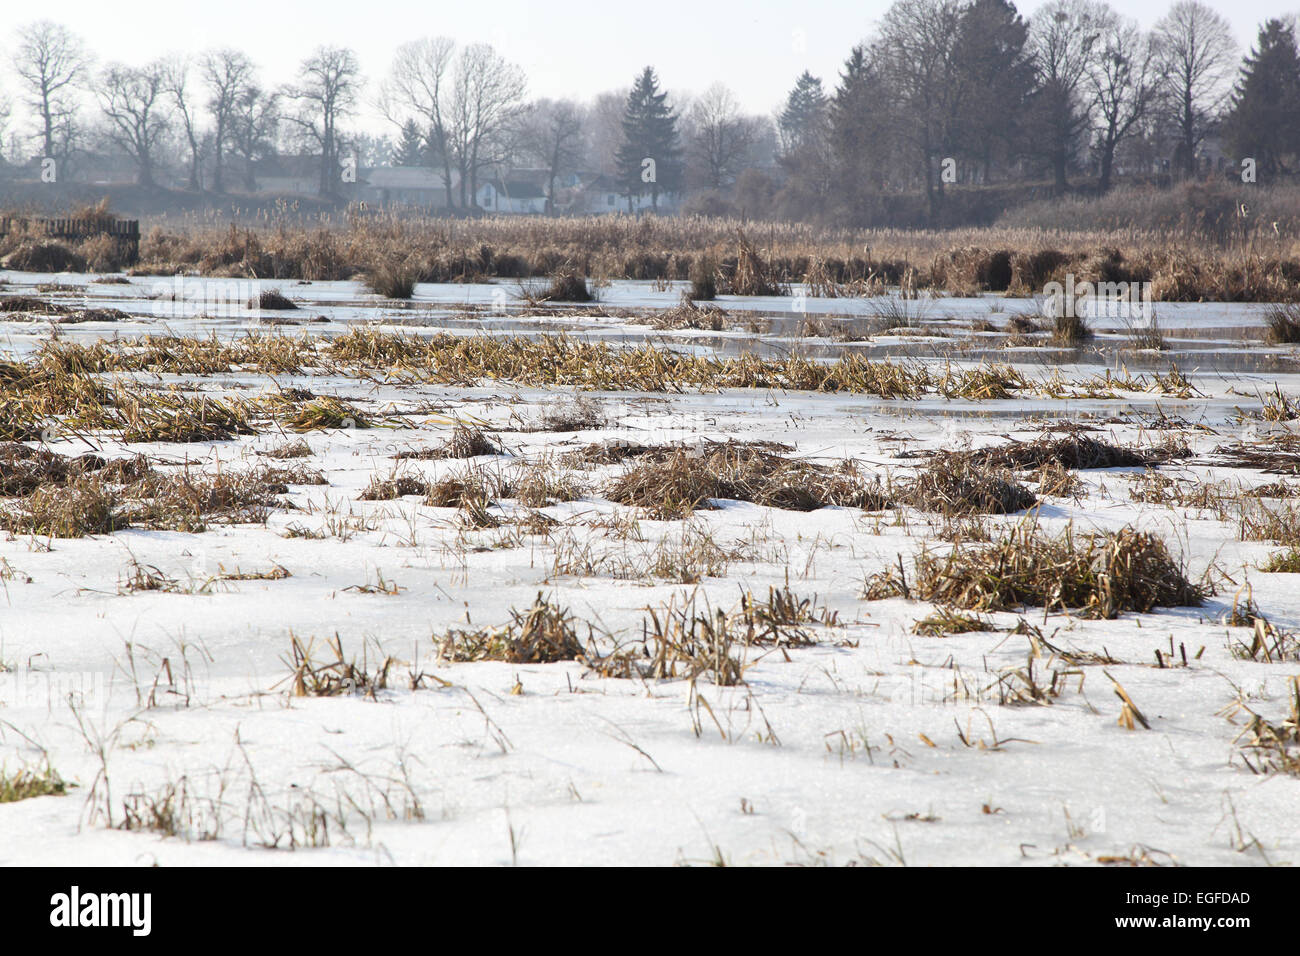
649, 133
996, 78
410, 148
1263, 121
804, 118
862, 133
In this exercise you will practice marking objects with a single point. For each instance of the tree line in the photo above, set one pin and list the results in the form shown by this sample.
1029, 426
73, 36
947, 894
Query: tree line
944, 93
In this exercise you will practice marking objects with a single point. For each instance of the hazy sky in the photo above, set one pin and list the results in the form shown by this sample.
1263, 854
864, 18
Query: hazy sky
567, 48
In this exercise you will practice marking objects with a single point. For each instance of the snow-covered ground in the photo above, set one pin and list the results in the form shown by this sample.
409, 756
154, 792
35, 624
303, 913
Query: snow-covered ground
877, 744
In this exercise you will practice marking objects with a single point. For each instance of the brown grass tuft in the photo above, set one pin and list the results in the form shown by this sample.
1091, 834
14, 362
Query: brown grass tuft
1096, 575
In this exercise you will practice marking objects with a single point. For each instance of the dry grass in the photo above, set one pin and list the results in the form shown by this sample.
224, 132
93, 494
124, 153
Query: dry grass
465, 442
1258, 521
568, 414
108, 500
174, 417
82, 507
1279, 455
1283, 562
543, 481
688, 315
61, 378
24, 469
1186, 258
272, 299
686, 557
24, 783
673, 485
470, 485
568, 286
1070, 331
336, 675
953, 484
1283, 322
1273, 745
542, 634
1072, 450
393, 278
325, 412
392, 486
945, 621
291, 449
779, 621
1095, 575
189, 501
686, 642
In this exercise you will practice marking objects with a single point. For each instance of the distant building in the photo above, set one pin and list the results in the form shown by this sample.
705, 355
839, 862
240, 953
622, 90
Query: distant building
288, 174
405, 185
603, 194
511, 196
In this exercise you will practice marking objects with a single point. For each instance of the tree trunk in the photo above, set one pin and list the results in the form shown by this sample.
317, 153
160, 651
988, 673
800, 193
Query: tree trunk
217, 185
931, 204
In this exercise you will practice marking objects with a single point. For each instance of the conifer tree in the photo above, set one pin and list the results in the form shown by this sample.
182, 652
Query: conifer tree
803, 119
1263, 120
410, 148
649, 158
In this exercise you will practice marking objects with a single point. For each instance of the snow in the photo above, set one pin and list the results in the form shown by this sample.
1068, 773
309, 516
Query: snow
848, 751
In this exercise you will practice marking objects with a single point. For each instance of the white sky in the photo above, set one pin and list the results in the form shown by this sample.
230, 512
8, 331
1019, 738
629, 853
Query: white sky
567, 47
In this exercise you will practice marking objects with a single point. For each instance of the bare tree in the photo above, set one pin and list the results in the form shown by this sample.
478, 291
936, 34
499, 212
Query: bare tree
176, 79
52, 62
326, 93
227, 74
5, 110
554, 136
254, 124
721, 139
1063, 36
134, 100
915, 56
605, 127
417, 88
1121, 78
1197, 58
487, 98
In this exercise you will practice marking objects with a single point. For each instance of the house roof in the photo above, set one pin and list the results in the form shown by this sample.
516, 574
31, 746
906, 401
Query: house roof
405, 177
306, 165
515, 189
601, 183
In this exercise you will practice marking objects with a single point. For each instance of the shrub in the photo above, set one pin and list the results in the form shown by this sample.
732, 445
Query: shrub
568, 286
1070, 331
392, 279
1283, 321
272, 299
45, 255
704, 280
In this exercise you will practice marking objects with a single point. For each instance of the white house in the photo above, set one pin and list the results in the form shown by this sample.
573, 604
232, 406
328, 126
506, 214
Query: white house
511, 196
406, 185
603, 194
286, 174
